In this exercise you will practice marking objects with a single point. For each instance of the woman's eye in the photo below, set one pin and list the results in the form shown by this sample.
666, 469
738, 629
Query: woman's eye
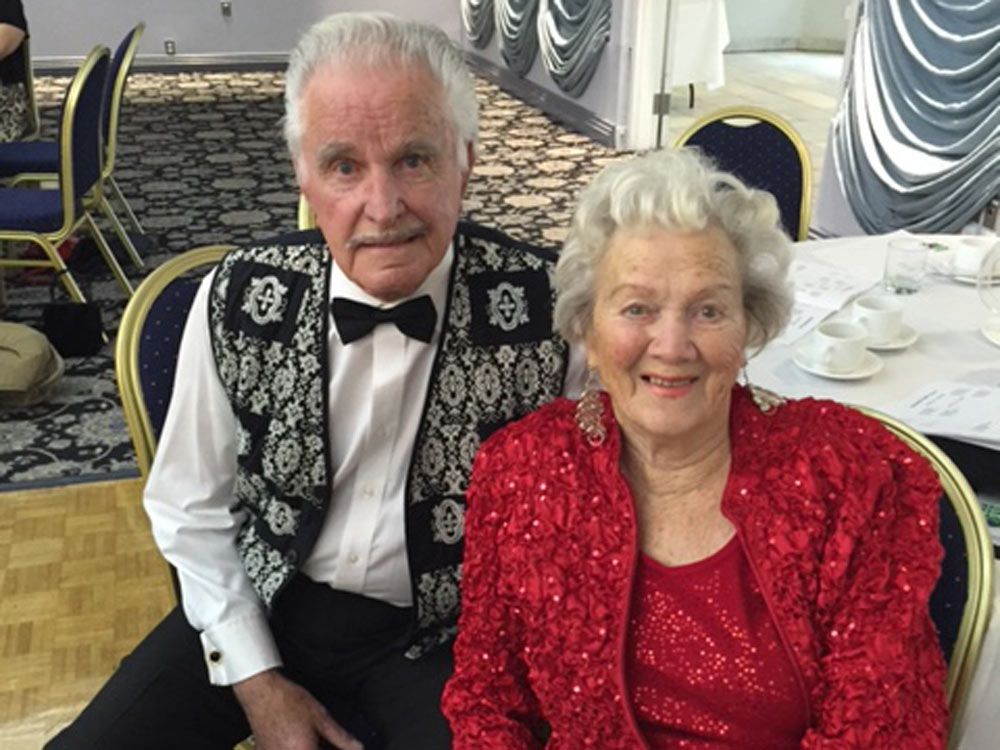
635, 310
710, 312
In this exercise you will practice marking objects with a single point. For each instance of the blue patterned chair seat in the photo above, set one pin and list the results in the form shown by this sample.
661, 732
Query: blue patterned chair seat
149, 337
36, 157
765, 152
158, 345
39, 211
948, 600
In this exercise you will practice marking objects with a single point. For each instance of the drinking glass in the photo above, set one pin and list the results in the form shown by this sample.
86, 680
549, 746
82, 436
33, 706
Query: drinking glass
988, 285
905, 265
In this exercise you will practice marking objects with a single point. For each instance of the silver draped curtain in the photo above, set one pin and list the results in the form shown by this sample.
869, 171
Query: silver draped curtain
571, 36
477, 17
517, 37
917, 137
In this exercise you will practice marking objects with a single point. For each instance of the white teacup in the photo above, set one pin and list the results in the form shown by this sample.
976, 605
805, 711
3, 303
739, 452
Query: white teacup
881, 315
838, 346
969, 255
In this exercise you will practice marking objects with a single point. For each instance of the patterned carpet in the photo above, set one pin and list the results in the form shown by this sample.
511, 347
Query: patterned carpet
202, 161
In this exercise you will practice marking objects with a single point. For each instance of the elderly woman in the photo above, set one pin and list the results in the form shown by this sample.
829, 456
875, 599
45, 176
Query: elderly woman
675, 561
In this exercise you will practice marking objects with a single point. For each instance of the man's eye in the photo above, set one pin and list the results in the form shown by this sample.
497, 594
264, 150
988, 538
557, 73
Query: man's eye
343, 167
413, 161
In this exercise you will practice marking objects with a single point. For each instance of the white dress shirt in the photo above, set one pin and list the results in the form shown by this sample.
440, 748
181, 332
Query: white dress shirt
376, 394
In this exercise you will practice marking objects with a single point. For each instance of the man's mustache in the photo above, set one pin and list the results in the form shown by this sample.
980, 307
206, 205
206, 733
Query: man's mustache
391, 237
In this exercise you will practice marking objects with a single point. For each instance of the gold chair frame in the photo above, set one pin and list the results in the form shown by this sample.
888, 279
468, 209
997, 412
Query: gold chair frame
96, 199
760, 114
111, 149
49, 242
979, 551
127, 366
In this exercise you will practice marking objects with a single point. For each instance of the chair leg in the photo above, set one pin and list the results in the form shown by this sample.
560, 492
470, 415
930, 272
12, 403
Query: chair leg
109, 258
62, 270
129, 214
690, 96
120, 231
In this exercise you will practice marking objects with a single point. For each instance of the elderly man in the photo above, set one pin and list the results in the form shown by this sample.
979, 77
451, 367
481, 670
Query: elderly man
309, 483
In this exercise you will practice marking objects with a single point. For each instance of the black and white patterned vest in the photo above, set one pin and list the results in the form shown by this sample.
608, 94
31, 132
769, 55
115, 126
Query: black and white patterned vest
497, 360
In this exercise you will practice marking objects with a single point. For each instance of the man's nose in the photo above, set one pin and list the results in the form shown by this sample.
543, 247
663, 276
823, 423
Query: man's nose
384, 199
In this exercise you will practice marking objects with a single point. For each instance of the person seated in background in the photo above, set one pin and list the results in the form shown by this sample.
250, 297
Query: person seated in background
679, 560
331, 392
14, 115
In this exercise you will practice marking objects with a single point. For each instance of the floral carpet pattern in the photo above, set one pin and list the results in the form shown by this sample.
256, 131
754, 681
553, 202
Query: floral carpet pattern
202, 161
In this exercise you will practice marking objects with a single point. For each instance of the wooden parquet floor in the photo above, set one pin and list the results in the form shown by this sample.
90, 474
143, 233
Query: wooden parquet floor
80, 584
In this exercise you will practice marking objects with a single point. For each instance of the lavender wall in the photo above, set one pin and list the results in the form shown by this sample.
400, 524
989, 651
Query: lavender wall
262, 29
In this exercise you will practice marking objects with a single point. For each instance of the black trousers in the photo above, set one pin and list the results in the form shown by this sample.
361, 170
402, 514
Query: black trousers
347, 650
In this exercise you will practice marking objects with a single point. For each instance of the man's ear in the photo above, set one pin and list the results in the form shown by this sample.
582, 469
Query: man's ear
470, 153
297, 170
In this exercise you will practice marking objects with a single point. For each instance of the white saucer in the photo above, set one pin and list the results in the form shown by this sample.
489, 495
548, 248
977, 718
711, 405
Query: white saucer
906, 336
992, 334
870, 365
972, 279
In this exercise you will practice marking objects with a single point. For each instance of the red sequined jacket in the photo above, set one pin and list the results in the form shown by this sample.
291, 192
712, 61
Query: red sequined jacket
837, 518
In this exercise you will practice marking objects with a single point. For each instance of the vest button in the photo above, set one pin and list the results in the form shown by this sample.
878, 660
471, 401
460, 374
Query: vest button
292, 556
215, 657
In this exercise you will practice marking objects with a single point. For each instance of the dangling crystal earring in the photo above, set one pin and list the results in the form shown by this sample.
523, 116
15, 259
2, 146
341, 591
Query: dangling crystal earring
590, 411
763, 398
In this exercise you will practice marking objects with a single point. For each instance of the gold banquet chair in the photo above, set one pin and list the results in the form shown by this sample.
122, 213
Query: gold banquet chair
146, 352
46, 217
38, 162
148, 339
960, 604
121, 67
763, 150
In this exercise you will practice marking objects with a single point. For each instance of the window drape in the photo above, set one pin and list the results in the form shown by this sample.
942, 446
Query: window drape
916, 139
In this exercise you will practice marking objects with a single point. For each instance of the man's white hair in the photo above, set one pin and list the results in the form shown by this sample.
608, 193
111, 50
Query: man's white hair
382, 41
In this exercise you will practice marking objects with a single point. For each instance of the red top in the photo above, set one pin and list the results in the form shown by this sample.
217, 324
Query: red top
838, 520
706, 668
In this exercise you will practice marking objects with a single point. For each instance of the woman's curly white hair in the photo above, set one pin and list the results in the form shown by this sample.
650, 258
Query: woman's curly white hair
678, 190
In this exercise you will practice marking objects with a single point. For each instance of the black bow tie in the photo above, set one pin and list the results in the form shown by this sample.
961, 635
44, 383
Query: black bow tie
355, 320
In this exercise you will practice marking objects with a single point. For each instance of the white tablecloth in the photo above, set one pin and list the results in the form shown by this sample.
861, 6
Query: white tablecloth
947, 316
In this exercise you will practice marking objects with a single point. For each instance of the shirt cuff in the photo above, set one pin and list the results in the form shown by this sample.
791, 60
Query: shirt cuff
238, 649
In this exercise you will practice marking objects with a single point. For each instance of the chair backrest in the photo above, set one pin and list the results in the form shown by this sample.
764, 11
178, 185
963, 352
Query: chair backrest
34, 123
960, 603
121, 66
148, 339
764, 151
80, 133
